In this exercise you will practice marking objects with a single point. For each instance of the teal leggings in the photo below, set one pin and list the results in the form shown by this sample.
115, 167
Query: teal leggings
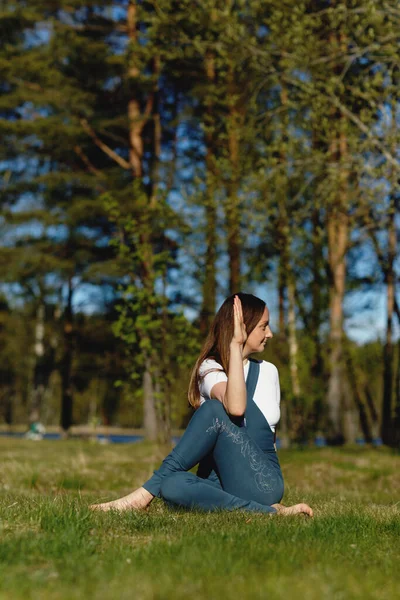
245, 477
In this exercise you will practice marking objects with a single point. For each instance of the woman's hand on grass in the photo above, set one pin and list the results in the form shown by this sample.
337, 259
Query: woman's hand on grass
296, 509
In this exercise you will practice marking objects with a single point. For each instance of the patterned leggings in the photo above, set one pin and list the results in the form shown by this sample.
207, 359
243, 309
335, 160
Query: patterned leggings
248, 478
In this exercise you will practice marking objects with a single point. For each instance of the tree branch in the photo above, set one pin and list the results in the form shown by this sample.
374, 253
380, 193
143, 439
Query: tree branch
106, 149
350, 115
91, 168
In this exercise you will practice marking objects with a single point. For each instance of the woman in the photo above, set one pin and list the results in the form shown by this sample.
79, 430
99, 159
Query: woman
231, 434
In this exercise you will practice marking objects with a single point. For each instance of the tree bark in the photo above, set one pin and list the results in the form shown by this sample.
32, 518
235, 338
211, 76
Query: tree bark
317, 362
337, 228
374, 417
286, 277
293, 346
283, 426
387, 429
38, 374
281, 302
164, 396
136, 150
396, 422
355, 391
283, 222
208, 307
66, 365
150, 423
134, 111
232, 203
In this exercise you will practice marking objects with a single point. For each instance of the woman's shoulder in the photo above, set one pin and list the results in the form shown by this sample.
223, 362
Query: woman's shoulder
268, 367
208, 365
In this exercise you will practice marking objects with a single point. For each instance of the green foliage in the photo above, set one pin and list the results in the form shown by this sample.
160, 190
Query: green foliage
148, 329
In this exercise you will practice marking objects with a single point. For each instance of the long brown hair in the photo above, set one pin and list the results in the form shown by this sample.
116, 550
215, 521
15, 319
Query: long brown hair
220, 336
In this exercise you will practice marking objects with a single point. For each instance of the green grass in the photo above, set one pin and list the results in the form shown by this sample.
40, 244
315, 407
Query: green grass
53, 547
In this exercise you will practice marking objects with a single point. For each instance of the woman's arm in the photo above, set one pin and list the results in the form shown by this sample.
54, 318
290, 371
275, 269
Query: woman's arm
232, 393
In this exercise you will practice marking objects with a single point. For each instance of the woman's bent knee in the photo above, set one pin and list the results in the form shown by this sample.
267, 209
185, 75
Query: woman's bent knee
172, 486
213, 407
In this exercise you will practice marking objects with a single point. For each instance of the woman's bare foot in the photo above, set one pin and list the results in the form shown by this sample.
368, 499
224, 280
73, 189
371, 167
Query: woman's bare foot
296, 509
137, 500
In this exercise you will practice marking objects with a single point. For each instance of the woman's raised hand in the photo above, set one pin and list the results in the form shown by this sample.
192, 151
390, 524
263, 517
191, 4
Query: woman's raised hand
239, 328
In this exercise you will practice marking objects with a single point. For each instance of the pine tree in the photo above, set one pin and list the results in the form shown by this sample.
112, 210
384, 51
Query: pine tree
60, 227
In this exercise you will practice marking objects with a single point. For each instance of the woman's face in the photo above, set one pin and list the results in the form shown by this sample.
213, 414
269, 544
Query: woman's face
259, 336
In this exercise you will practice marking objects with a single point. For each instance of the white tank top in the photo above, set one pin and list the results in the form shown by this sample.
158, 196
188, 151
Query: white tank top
267, 395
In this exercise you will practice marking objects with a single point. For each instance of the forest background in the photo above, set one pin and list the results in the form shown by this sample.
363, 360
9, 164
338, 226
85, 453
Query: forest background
158, 156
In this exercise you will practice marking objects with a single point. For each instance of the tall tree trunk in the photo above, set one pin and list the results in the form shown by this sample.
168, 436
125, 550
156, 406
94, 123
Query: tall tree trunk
282, 229
232, 220
285, 234
150, 422
298, 416
160, 367
293, 346
8, 403
208, 307
337, 228
283, 427
66, 365
136, 121
156, 134
396, 421
281, 301
355, 391
372, 411
39, 374
164, 401
338, 231
317, 362
286, 277
136, 150
232, 213
286, 415
387, 430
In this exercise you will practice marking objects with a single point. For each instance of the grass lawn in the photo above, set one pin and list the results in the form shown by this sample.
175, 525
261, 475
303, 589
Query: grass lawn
53, 547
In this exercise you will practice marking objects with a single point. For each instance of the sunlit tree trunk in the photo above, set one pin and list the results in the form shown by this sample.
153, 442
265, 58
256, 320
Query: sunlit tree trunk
339, 409
150, 423
136, 149
396, 423
293, 346
66, 364
281, 302
208, 307
388, 354
232, 215
38, 374
338, 231
355, 392
317, 363
337, 234
391, 422
285, 267
373, 412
